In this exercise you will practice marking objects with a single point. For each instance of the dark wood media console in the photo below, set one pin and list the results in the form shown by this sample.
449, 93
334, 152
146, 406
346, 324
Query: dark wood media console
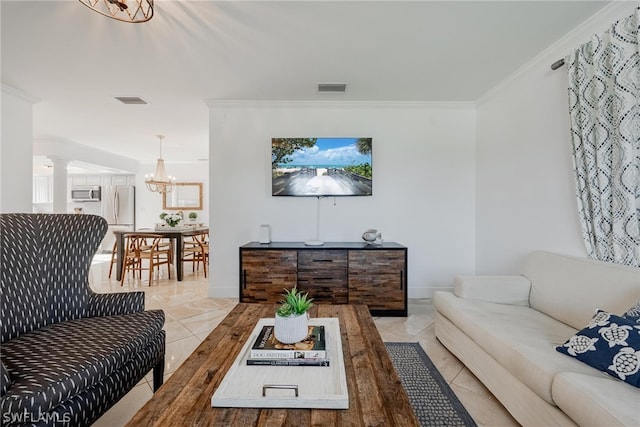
334, 273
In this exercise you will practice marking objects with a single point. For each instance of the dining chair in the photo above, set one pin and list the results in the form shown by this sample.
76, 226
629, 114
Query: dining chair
114, 259
165, 243
141, 248
196, 250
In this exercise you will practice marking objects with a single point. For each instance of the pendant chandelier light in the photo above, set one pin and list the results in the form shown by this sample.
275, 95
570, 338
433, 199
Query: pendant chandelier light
160, 182
122, 10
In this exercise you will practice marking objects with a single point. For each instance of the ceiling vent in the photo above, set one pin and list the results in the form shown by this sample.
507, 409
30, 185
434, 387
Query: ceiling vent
332, 87
131, 100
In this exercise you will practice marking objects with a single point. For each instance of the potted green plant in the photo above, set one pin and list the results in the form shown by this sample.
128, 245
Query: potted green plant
193, 216
292, 319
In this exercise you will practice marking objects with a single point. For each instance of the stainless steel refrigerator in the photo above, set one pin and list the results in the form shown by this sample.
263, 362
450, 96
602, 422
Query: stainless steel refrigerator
119, 208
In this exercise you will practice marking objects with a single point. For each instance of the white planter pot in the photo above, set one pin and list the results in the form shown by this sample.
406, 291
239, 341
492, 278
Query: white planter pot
292, 329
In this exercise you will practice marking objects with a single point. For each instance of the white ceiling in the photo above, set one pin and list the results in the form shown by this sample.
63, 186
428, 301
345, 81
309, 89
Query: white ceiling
75, 61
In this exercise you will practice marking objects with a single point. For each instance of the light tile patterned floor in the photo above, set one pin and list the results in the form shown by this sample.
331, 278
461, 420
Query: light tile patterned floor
191, 316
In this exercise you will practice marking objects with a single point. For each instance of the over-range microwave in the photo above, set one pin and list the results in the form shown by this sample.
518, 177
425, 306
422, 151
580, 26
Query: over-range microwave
86, 193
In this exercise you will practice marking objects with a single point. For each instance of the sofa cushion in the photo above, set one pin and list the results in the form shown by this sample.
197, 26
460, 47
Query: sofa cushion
610, 344
570, 289
521, 339
512, 290
596, 400
52, 364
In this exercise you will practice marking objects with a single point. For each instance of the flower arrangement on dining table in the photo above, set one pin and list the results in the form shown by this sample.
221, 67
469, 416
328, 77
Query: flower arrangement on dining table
172, 219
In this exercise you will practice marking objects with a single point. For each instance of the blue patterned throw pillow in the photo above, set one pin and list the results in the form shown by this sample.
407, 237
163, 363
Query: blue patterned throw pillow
610, 344
633, 313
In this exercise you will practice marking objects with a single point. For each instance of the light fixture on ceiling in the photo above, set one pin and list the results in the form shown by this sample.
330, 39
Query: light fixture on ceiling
122, 10
160, 182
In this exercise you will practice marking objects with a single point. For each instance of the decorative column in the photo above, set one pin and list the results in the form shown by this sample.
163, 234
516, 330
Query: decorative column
16, 151
59, 184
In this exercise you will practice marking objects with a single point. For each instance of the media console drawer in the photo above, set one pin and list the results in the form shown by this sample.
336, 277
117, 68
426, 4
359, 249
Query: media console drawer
264, 274
323, 274
336, 273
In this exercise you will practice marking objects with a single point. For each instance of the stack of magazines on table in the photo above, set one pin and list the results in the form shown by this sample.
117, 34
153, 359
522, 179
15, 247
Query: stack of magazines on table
311, 351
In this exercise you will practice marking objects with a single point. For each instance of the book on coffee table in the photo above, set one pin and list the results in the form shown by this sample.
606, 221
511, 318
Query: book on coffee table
288, 362
266, 346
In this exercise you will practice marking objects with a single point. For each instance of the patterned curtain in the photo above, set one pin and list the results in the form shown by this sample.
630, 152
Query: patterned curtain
604, 103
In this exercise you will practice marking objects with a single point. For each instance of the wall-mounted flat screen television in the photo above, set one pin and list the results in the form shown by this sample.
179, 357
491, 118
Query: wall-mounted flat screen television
321, 167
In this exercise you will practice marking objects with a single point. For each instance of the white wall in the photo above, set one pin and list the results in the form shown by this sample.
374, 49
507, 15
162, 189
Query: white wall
16, 151
423, 183
525, 194
149, 205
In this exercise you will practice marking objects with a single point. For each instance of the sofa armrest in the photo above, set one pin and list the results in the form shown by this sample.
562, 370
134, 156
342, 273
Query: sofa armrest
114, 304
512, 290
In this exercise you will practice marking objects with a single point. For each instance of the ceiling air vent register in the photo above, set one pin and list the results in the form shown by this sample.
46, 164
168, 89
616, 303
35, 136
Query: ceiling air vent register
131, 100
332, 87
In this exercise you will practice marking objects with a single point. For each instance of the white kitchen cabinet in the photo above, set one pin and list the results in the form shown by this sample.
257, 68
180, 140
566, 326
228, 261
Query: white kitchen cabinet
82, 180
78, 180
119, 180
109, 180
93, 179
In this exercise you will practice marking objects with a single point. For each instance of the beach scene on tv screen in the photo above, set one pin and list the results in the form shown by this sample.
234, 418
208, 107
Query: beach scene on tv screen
321, 167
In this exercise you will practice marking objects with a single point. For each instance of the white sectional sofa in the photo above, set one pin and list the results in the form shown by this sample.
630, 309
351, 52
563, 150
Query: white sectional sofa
505, 329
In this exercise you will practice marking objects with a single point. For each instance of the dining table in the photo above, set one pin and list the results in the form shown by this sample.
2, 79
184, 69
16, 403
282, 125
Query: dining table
174, 233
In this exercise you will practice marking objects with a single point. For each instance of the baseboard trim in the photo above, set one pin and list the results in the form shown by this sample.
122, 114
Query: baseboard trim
222, 292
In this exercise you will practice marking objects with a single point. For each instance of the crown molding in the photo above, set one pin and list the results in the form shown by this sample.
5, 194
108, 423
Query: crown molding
341, 104
19, 94
598, 22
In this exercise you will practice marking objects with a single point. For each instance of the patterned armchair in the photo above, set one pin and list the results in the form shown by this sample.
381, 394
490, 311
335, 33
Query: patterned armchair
68, 354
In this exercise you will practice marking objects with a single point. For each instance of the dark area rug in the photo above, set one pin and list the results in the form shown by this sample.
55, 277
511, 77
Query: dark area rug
432, 399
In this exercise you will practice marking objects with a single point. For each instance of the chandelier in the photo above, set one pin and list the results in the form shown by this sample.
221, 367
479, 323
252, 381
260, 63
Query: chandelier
122, 10
160, 182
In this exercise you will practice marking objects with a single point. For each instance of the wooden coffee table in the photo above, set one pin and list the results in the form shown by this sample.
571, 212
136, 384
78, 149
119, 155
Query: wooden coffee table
376, 396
